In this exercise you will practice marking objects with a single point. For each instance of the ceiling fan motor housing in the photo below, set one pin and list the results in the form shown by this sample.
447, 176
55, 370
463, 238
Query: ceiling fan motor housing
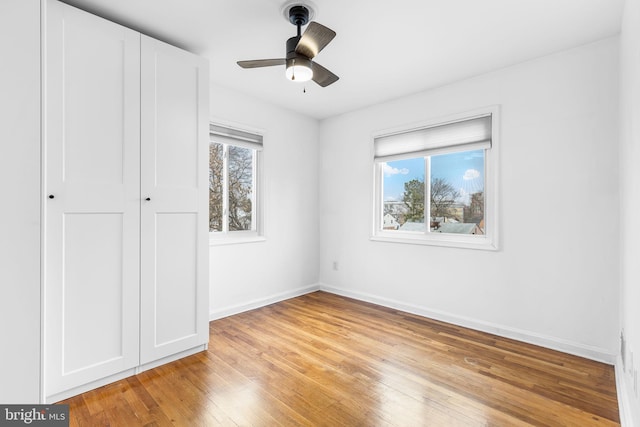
299, 15
291, 47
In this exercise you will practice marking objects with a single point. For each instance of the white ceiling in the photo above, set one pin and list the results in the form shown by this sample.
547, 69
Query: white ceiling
383, 50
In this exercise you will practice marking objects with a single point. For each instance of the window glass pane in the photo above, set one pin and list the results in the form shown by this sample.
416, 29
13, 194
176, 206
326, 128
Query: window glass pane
240, 172
215, 186
403, 195
457, 192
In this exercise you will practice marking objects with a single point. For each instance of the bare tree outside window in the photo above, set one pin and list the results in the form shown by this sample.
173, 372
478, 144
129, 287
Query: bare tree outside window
240, 178
443, 196
231, 191
216, 174
234, 184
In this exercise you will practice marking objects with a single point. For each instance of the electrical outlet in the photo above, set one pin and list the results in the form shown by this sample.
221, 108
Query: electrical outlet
335, 265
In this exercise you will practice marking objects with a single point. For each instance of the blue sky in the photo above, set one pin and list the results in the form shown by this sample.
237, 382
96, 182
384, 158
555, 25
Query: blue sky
465, 170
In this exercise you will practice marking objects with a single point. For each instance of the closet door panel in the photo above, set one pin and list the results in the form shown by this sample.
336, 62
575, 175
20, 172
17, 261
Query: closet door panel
174, 171
176, 307
92, 289
92, 198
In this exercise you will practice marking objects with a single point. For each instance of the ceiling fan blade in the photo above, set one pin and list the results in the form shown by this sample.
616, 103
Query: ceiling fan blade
256, 63
314, 39
322, 76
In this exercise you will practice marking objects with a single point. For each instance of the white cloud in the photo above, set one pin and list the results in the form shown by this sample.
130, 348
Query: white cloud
389, 171
471, 174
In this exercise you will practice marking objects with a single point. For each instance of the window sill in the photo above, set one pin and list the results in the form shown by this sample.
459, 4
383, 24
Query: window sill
235, 240
444, 240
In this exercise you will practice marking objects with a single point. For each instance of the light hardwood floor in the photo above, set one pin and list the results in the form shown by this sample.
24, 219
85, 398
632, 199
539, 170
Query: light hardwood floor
325, 360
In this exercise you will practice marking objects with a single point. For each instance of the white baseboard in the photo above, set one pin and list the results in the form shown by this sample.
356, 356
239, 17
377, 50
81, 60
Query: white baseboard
261, 302
121, 375
171, 358
57, 397
565, 346
625, 399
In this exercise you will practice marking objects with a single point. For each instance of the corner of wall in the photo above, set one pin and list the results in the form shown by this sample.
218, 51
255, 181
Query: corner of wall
261, 302
629, 140
625, 398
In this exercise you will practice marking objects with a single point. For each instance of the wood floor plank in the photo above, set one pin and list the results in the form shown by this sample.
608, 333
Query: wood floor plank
326, 360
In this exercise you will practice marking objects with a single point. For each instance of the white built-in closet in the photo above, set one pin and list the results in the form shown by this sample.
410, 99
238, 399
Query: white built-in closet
124, 191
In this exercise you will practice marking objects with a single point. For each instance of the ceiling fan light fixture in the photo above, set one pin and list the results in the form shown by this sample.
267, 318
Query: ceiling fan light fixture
302, 48
299, 70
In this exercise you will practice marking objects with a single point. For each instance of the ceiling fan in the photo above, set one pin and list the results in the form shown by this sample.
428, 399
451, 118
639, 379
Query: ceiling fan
301, 49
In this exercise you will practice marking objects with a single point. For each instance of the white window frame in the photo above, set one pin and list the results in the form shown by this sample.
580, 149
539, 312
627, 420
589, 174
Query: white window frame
233, 135
488, 241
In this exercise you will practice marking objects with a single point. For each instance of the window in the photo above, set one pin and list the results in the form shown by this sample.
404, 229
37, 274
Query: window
435, 184
234, 175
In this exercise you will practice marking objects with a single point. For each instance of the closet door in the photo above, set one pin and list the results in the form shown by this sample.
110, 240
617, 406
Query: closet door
174, 211
91, 198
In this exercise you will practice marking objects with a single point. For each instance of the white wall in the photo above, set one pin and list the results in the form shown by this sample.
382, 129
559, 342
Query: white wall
248, 275
630, 203
20, 206
555, 279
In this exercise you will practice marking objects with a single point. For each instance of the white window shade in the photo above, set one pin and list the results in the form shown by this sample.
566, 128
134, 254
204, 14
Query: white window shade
470, 134
238, 138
